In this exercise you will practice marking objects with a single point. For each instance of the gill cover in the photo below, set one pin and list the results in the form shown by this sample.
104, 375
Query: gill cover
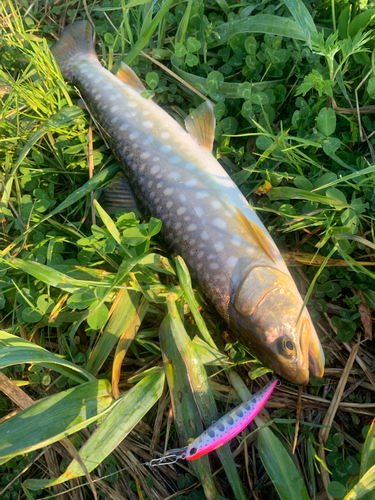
265, 312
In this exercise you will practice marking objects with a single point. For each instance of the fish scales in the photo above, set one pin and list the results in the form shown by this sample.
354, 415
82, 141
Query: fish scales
205, 217
175, 180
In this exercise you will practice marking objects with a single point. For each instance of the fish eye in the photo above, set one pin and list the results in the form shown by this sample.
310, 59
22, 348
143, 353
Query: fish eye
193, 451
287, 346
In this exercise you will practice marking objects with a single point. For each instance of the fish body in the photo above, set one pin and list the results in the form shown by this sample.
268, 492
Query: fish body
206, 219
230, 425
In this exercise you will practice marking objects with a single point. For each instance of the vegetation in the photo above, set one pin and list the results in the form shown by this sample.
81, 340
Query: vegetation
99, 323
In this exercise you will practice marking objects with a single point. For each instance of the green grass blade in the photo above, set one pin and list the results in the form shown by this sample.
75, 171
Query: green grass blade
208, 354
187, 421
49, 275
368, 457
125, 307
185, 283
54, 418
303, 18
289, 193
202, 392
284, 474
129, 410
260, 23
15, 350
144, 39
364, 486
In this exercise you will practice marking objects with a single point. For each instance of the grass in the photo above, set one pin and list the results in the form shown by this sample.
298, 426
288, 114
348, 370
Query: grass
98, 321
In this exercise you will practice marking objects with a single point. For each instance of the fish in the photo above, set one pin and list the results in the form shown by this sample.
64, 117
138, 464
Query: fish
174, 177
230, 425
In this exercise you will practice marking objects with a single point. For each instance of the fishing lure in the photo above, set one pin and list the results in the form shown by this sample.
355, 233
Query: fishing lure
222, 431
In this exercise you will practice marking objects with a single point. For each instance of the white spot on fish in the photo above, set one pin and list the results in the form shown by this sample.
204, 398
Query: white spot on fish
149, 140
216, 204
218, 246
199, 211
191, 182
98, 96
220, 223
114, 119
145, 155
200, 254
124, 126
164, 135
128, 115
135, 145
187, 218
202, 245
211, 256
155, 169
159, 185
131, 104
182, 197
146, 112
156, 158
189, 166
204, 235
232, 261
114, 108
168, 191
149, 184
236, 240
176, 176
165, 148
133, 135
181, 210
192, 242
147, 124
108, 86
214, 265
113, 97
169, 204
201, 194
178, 225
142, 167
174, 159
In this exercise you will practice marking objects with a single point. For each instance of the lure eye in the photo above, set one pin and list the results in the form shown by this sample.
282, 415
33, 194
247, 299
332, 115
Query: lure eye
193, 451
287, 347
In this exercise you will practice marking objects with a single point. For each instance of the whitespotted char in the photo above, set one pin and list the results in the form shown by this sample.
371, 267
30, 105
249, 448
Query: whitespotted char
206, 219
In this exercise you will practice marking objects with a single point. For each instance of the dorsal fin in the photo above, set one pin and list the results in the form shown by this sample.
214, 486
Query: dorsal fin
201, 124
258, 235
126, 75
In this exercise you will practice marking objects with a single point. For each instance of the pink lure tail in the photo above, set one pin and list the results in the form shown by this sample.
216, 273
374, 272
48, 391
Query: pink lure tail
230, 425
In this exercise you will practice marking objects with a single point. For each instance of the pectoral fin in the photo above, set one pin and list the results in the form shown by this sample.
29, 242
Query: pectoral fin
118, 195
258, 235
126, 75
201, 125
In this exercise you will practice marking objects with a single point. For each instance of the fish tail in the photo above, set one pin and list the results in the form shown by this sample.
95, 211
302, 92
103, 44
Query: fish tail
76, 40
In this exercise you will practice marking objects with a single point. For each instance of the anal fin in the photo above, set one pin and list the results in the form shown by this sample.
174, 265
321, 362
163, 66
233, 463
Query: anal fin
257, 234
118, 195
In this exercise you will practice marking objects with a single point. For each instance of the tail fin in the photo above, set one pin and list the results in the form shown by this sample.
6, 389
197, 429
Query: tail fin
76, 39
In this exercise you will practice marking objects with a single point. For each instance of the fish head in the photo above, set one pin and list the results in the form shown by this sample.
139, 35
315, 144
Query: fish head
265, 310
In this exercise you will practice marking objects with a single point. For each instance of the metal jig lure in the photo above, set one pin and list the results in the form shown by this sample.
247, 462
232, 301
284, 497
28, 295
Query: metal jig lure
221, 431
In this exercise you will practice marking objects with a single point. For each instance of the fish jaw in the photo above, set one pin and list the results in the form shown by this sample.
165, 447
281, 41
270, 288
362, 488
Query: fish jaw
265, 312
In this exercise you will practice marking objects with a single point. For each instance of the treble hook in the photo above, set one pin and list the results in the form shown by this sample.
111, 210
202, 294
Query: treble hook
171, 457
